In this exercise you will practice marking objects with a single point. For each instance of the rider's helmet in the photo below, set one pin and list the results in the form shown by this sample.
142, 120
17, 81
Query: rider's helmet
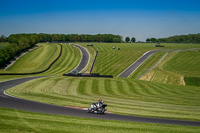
100, 101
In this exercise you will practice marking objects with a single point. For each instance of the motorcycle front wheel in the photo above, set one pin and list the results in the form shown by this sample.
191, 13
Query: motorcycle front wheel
89, 110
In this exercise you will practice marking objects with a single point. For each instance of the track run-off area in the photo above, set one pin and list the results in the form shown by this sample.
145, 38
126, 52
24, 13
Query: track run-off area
27, 105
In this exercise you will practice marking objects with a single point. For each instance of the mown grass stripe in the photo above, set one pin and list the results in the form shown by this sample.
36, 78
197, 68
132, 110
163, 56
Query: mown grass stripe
82, 87
88, 88
107, 85
95, 87
72, 90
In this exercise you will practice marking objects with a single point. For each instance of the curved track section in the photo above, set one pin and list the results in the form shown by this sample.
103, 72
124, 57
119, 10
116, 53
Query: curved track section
128, 71
21, 104
84, 60
27, 105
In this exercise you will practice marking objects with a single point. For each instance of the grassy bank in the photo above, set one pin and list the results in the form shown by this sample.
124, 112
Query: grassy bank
37, 60
21, 121
175, 67
68, 61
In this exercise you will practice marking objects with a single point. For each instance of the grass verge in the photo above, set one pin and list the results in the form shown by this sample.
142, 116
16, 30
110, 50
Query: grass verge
12, 120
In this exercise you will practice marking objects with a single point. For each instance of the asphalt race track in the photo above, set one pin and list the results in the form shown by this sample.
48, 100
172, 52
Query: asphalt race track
85, 58
27, 105
137, 63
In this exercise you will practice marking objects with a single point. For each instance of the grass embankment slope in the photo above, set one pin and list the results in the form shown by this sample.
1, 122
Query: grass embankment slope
181, 68
37, 60
69, 59
21, 121
124, 96
47, 53
186, 63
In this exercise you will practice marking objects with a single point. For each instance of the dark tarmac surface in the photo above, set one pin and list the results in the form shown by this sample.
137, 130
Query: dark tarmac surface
84, 60
137, 63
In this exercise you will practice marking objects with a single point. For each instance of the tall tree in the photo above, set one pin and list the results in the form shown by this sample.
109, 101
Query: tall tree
133, 39
153, 40
127, 39
148, 40
3, 38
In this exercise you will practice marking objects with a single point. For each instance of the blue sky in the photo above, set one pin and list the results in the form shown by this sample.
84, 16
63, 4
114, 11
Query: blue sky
141, 19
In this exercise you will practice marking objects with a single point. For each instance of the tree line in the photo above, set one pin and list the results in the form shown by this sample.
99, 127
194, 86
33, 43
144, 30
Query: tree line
80, 38
191, 38
127, 39
18, 43
21, 42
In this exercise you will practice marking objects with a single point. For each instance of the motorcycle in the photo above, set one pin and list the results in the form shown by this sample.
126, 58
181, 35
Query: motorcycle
95, 109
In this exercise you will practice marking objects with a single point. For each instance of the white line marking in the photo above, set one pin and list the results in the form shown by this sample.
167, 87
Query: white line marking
81, 58
88, 59
10, 95
80, 61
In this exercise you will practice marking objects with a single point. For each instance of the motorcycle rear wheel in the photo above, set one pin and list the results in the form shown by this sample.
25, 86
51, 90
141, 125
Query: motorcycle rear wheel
101, 111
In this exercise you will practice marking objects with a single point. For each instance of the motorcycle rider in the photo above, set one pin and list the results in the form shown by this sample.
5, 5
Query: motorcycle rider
97, 105
100, 103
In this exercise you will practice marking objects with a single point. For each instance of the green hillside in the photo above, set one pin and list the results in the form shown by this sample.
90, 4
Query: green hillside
127, 96
181, 67
112, 61
185, 62
69, 59
124, 96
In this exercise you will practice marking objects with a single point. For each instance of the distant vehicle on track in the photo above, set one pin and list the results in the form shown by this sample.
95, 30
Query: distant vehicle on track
158, 45
90, 44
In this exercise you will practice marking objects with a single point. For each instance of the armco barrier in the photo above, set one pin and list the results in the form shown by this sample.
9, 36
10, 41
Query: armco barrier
93, 62
89, 75
39, 71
